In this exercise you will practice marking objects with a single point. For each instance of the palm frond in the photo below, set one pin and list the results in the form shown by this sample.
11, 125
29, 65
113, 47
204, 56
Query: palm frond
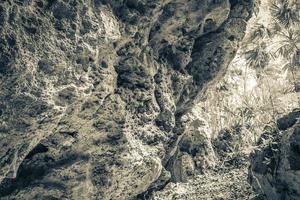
257, 57
275, 27
284, 13
296, 59
288, 66
259, 31
288, 43
284, 50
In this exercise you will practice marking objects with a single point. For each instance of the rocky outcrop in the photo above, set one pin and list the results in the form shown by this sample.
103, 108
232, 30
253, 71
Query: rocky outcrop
93, 92
275, 170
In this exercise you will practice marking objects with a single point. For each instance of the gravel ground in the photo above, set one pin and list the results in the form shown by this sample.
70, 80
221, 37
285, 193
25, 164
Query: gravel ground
226, 183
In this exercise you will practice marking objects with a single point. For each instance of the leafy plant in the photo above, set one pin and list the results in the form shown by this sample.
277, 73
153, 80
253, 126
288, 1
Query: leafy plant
288, 43
259, 31
284, 12
257, 57
289, 48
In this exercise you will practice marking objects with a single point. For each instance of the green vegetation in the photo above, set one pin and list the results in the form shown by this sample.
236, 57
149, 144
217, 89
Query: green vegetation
284, 35
261, 84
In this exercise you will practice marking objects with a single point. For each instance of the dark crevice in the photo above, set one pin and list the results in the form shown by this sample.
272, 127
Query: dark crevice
35, 167
289, 120
40, 148
148, 193
197, 47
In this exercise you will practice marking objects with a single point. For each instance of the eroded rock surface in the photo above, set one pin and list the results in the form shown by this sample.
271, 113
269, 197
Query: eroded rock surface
93, 93
275, 170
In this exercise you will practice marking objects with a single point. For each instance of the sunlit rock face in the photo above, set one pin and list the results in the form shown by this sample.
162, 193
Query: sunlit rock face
94, 94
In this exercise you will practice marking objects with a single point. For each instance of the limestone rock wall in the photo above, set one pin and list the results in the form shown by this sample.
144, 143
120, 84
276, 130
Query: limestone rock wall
93, 92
